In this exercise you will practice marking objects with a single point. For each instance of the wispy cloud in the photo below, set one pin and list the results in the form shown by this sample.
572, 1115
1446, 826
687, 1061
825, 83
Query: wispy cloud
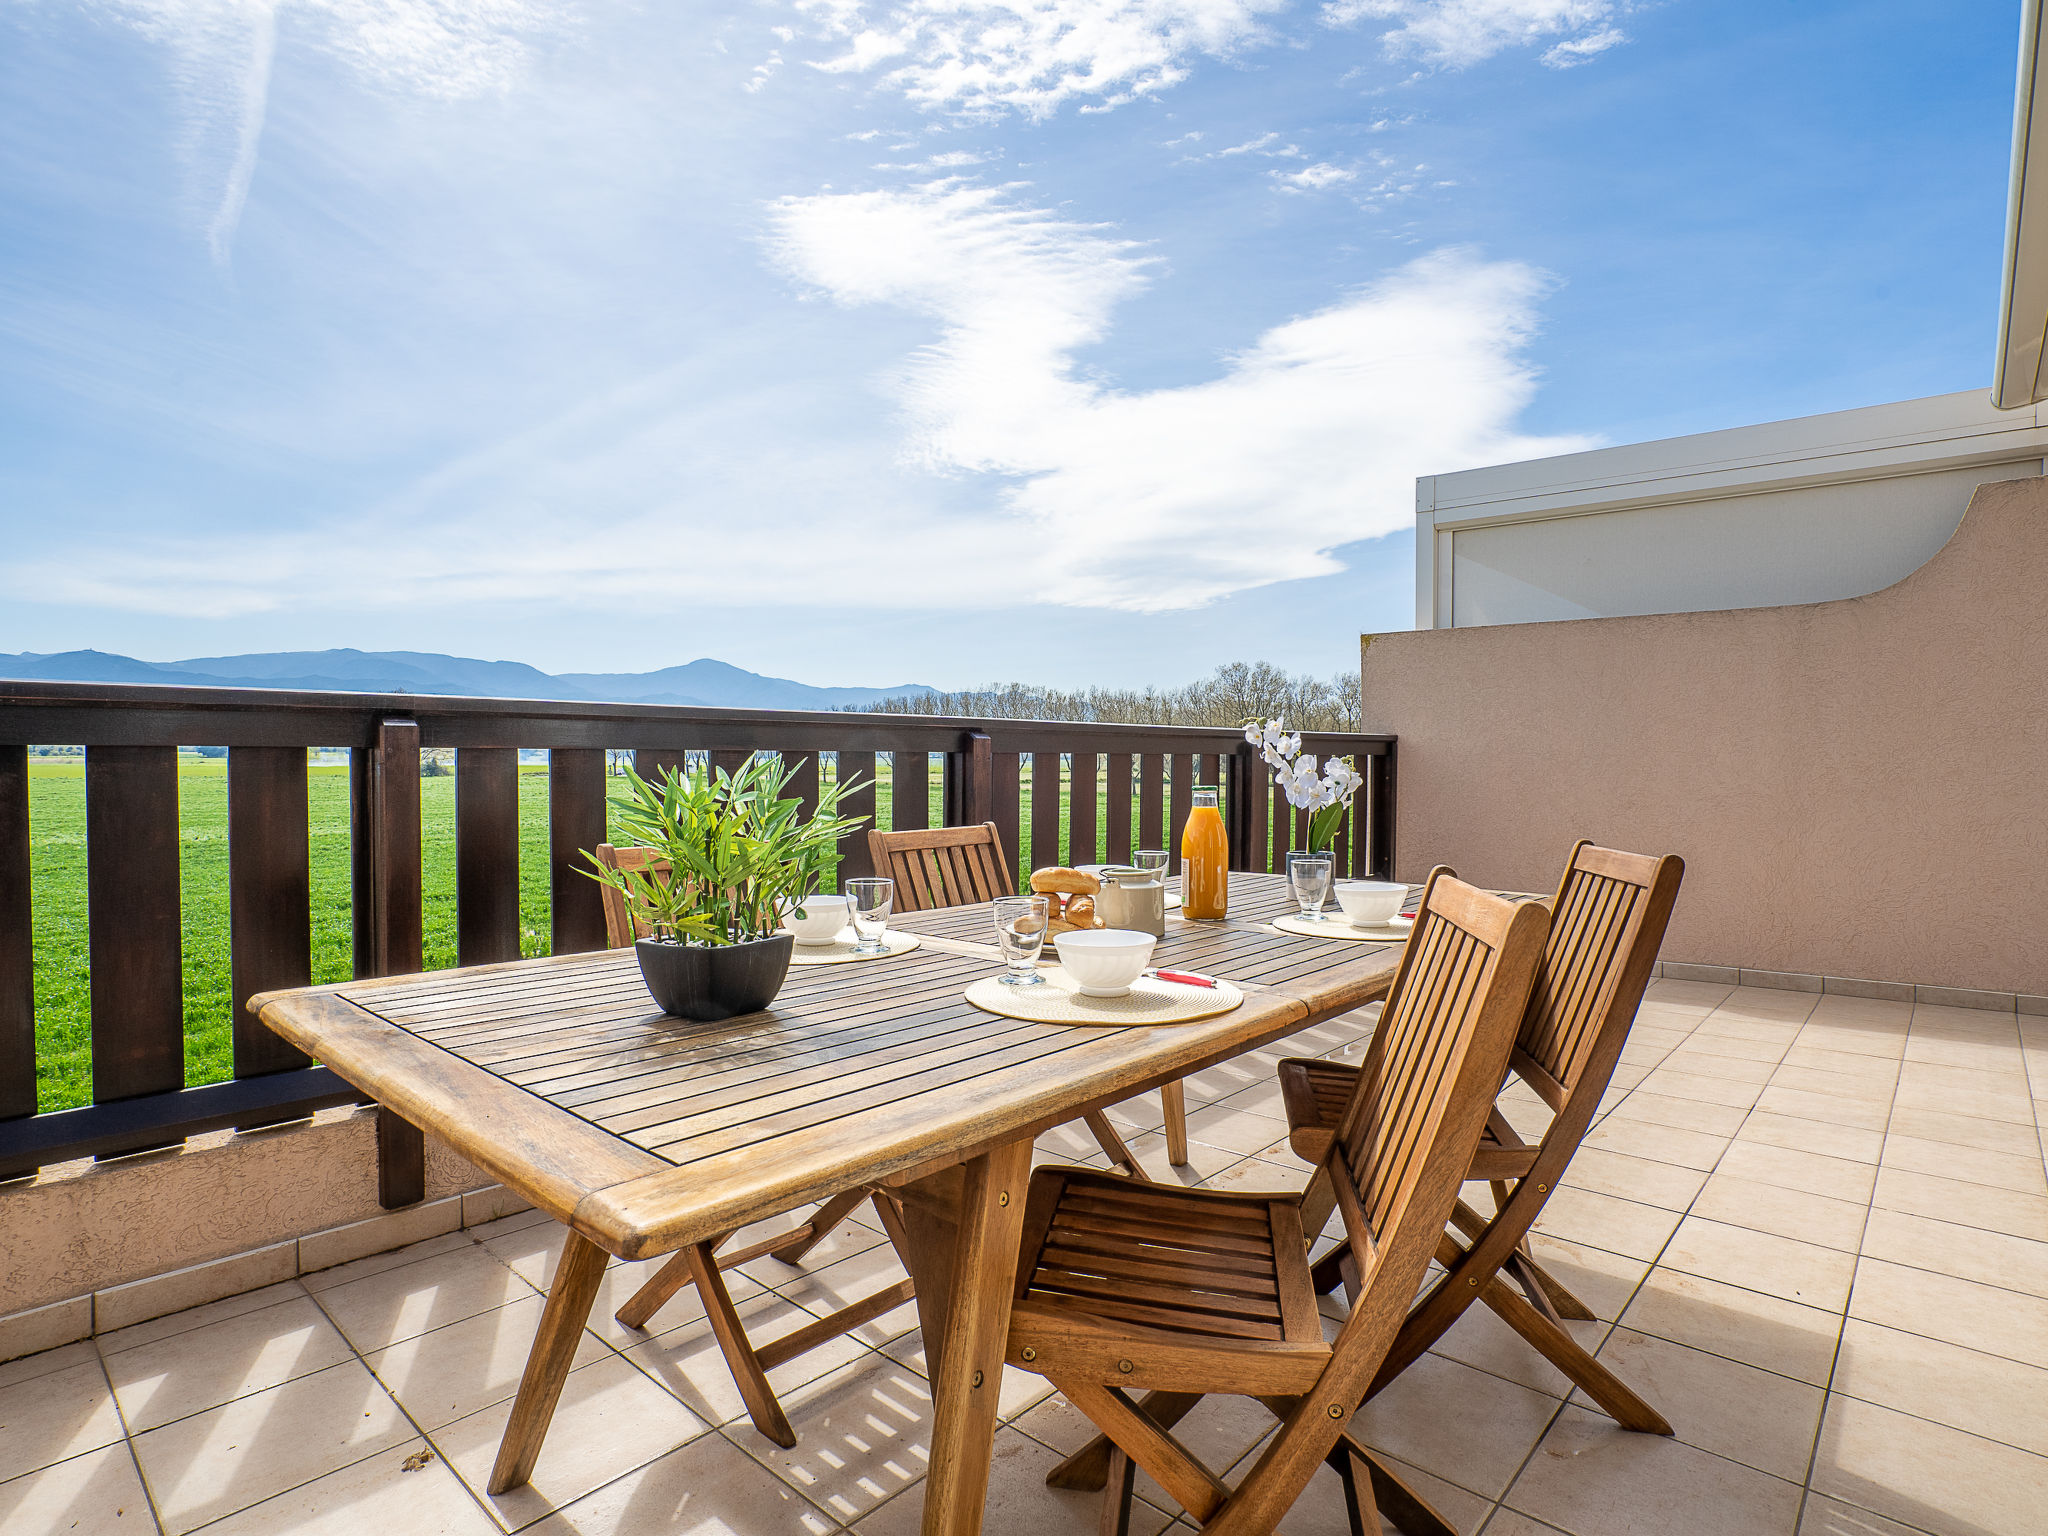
1461, 32
985, 58
1309, 438
221, 55
1313, 178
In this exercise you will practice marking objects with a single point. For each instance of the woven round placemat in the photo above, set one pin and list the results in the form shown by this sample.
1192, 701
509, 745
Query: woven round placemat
1337, 928
840, 950
1150, 1001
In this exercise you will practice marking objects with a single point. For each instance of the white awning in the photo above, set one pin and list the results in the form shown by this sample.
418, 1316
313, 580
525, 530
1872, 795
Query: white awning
2021, 379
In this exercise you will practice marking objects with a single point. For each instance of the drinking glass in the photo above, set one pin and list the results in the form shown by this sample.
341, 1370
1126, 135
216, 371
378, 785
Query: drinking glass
1020, 931
1153, 861
1309, 874
868, 903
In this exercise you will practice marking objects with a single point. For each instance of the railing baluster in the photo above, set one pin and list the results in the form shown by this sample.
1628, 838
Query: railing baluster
131, 862
17, 942
725, 759
270, 897
651, 762
388, 906
1283, 830
850, 768
1117, 798
1182, 767
1152, 803
1045, 813
1081, 819
576, 822
486, 855
910, 790
1004, 772
1381, 777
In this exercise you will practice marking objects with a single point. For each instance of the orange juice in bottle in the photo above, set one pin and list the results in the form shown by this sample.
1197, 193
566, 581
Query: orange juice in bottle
1204, 859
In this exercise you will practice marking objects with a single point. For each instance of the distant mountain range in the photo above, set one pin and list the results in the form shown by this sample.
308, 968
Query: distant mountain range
348, 671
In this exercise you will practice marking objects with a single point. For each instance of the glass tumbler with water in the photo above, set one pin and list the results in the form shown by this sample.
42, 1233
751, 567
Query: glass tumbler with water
868, 904
1020, 931
1309, 874
1153, 861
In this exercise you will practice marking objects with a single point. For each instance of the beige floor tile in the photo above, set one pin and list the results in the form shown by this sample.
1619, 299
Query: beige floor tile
1964, 1130
1777, 1266
1320, 1511
445, 1375
2001, 1075
1862, 1087
396, 1258
708, 1488
1620, 1226
1956, 1200
1593, 1479
610, 1420
1992, 1053
1603, 1281
1633, 1178
848, 1240
1992, 1258
1019, 1391
49, 1418
1918, 1093
1831, 1517
399, 1491
402, 1303
1793, 1213
1219, 1433
1818, 1054
1695, 997
1465, 1426
1745, 1325
622, 1280
1204, 1161
1653, 1108
138, 1334
1928, 1475
1840, 1141
1259, 1099
686, 1360
1965, 1389
212, 1464
863, 1436
48, 1362
1256, 1175
2017, 1171
1659, 1143
1508, 1522
1802, 1104
1980, 1317
205, 1367
1234, 1130
850, 1280
1838, 1178
1670, 1083
1756, 1417
1737, 1061
94, 1494
1019, 1503
1480, 1339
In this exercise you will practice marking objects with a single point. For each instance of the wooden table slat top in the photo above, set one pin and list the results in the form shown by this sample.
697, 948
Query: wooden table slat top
647, 1132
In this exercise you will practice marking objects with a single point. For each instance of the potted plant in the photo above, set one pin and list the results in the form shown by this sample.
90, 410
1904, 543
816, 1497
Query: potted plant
1325, 797
740, 855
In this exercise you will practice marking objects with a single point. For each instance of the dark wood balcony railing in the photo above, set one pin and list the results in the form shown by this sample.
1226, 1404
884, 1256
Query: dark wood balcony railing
1127, 787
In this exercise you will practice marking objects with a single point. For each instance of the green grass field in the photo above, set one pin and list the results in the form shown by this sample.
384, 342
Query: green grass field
57, 874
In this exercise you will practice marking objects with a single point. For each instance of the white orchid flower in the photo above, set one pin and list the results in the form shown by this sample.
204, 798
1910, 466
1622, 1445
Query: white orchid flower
1254, 734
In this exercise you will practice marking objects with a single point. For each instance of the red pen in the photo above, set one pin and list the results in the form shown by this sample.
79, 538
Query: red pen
1189, 978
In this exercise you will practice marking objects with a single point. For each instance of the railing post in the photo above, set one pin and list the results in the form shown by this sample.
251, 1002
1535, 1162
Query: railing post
388, 936
270, 930
1380, 776
17, 943
576, 817
976, 781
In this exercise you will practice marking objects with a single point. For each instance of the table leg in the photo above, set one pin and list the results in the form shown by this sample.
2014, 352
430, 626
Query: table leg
960, 1246
570, 1294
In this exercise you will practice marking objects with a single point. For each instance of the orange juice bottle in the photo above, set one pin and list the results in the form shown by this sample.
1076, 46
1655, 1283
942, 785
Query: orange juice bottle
1204, 859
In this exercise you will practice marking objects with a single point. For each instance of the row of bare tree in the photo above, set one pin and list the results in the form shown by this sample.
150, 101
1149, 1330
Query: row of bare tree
1232, 695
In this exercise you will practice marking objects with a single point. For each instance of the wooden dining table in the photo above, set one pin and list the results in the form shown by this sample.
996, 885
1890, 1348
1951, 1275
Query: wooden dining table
641, 1132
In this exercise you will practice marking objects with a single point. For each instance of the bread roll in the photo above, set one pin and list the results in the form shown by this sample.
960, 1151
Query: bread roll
1081, 912
1058, 878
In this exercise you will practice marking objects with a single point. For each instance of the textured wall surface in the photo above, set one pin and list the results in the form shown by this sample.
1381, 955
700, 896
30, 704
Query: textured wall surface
1859, 788
86, 1227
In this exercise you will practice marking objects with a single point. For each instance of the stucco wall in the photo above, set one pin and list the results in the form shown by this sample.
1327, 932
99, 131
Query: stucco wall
1859, 788
85, 1227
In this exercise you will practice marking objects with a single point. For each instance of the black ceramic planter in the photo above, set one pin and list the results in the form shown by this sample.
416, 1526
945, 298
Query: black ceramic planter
706, 982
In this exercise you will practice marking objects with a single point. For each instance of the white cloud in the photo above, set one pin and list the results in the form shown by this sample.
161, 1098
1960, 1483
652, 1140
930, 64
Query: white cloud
1313, 178
221, 54
1309, 438
982, 58
1462, 32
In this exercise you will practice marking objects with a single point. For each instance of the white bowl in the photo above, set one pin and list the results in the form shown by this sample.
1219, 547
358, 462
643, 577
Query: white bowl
824, 919
1103, 962
1370, 903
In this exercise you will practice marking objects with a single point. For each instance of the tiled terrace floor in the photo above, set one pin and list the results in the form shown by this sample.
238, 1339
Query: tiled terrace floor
1816, 1228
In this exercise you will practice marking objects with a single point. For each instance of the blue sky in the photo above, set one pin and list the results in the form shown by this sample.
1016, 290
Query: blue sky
862, 341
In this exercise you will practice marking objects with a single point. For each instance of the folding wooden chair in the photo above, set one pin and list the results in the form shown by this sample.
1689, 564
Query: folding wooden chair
1188, 1292
958, 866
701, 1264
1608, 920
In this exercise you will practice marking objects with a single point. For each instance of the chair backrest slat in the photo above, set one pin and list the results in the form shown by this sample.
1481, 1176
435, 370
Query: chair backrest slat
942, 866
622, 925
